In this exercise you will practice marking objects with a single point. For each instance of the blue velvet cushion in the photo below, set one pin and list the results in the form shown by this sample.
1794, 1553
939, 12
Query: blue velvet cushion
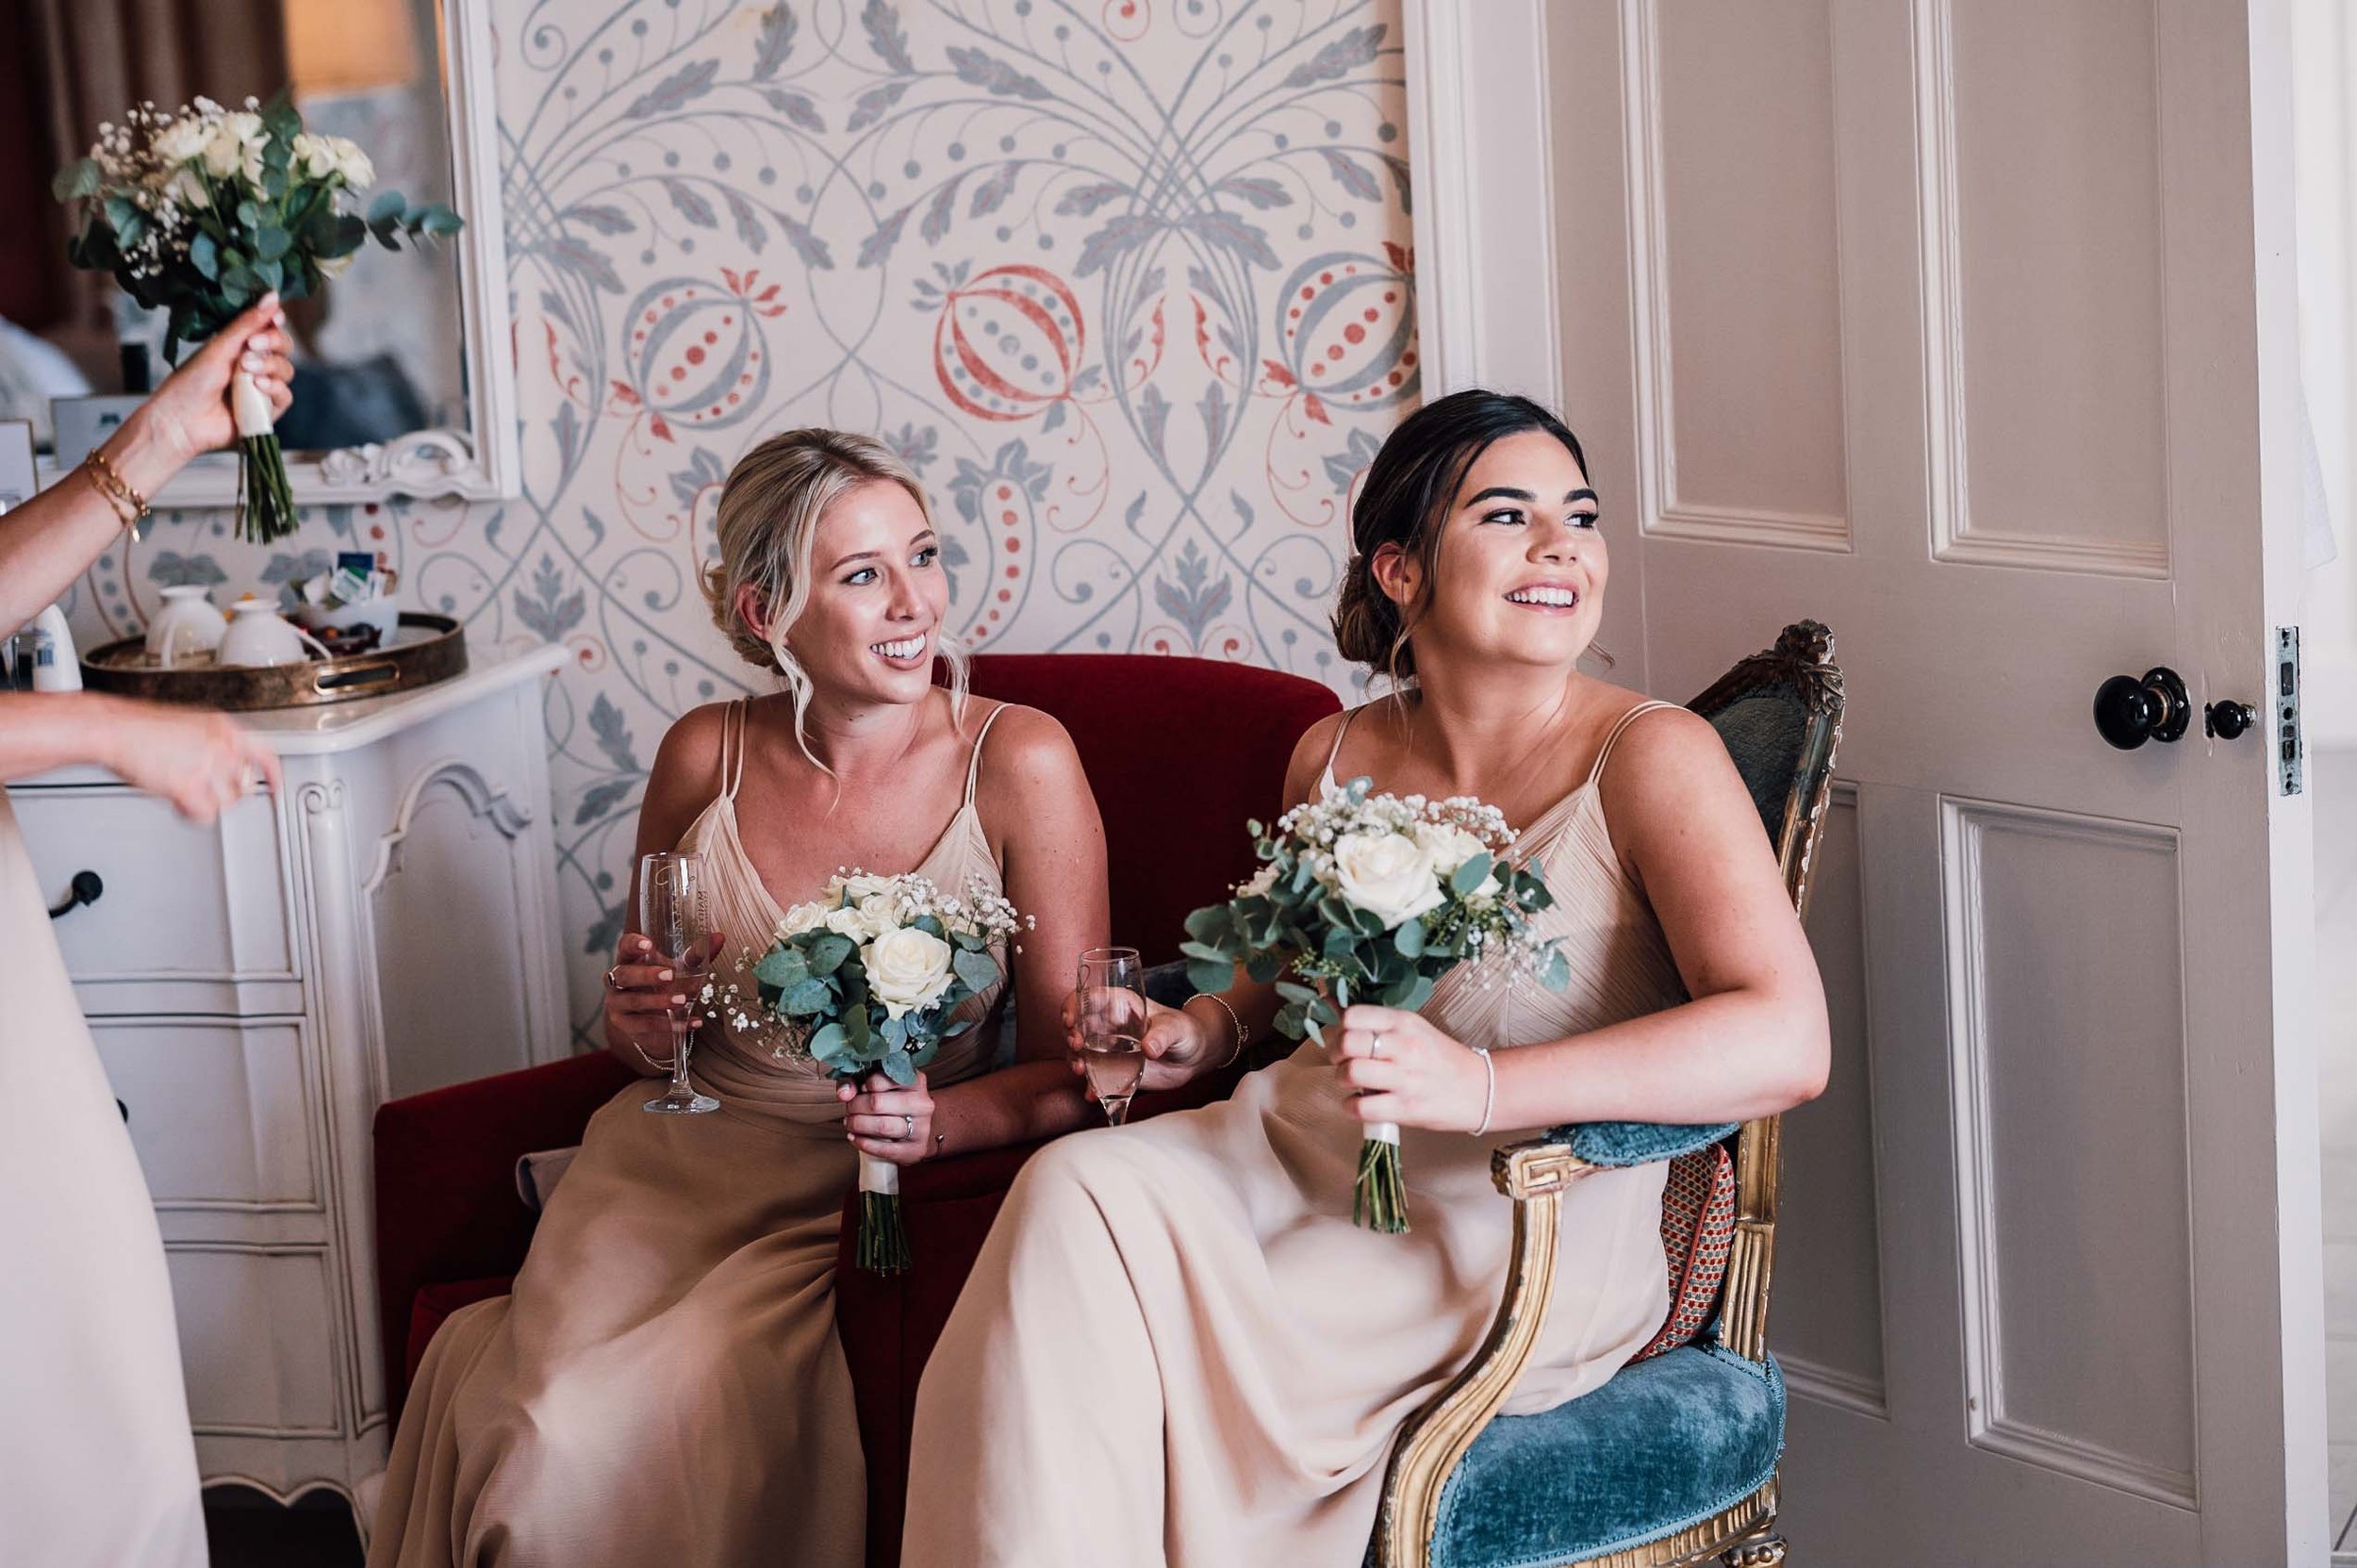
1617, 1143
1665, 1445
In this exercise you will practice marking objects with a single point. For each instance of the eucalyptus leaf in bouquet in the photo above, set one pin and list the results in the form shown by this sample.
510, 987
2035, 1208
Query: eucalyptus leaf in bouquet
202, 212
865, 978
1372, 898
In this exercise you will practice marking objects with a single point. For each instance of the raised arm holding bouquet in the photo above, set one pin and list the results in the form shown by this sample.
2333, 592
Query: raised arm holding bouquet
201, 213
1373, 898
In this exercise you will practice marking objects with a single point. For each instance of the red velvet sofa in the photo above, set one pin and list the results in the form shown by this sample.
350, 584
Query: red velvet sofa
1180, 753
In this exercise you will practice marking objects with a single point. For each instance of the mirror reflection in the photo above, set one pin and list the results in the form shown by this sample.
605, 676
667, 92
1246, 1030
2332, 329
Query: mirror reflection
379, 354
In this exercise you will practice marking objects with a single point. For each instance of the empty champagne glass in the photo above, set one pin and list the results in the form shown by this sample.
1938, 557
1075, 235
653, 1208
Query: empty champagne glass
674, 915
1112, 1025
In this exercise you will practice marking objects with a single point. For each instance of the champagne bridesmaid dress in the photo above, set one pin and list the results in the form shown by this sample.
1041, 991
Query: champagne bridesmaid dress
97, 1467
664, 1389
1177, 1349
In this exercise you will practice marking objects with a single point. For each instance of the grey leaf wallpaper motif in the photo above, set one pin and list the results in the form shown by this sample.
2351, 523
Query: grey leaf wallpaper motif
1127, 282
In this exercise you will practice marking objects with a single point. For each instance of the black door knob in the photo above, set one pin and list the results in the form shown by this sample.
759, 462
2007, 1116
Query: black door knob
84, 889
2228, 720
2131, 710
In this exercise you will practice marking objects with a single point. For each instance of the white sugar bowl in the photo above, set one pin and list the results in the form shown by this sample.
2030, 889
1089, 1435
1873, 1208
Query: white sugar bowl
187, 629
257, 636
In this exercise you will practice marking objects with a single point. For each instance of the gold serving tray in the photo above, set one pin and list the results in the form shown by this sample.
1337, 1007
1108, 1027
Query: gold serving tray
425, 649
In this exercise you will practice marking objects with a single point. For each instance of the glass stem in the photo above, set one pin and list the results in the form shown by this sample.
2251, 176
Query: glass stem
683, 1038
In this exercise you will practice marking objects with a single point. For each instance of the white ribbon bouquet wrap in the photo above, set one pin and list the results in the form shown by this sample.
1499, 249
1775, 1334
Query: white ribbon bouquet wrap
865, 979
1372, 898
202, 212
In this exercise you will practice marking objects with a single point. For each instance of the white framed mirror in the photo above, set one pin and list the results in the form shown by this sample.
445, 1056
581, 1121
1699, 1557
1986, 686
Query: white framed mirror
406, 382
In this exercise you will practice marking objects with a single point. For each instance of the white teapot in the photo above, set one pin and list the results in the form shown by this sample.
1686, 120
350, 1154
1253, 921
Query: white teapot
187, 628
257, 636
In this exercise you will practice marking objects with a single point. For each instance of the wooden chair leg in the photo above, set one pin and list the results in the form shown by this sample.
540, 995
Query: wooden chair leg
1760, 1551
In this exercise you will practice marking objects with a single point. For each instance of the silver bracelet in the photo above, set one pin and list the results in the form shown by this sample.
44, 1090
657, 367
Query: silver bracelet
1241, 1034
1489, 1092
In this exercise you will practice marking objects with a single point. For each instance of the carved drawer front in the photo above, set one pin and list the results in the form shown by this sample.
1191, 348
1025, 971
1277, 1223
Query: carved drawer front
219, 1111
257, 1337
189, 919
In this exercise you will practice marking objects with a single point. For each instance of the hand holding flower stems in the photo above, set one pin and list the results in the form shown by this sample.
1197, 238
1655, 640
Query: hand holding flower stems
204, 212
1372, 898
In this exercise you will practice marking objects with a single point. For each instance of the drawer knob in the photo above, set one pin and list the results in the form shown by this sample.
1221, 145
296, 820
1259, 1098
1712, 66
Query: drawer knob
84, 889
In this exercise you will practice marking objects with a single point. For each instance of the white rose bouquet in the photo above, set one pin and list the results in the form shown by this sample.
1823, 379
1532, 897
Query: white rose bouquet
1373, 898
865, 979
202, 212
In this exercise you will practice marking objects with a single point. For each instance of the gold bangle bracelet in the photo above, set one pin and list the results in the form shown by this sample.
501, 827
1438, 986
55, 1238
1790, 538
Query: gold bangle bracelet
1237, 1024
126, 514
128, 503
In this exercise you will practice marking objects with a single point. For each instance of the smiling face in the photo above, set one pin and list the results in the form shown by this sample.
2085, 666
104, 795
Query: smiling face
878, 596
1520, 571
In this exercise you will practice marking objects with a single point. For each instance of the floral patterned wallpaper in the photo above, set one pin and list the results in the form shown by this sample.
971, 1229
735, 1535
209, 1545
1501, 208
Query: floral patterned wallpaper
1126, 281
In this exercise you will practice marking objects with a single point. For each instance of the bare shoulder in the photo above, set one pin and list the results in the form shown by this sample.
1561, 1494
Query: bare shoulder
1026, 748
1030, 790
1666, 737
1310, 752
689, 757
1670, 771
685, 775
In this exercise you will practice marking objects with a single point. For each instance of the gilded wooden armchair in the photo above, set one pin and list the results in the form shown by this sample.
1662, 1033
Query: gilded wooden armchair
1673, 1462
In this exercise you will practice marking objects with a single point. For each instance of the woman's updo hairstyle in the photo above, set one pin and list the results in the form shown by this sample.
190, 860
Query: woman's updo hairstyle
768, 523
1405, 501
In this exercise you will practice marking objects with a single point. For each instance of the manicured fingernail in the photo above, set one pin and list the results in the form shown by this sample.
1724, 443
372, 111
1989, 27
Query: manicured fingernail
663, 974
679, 1001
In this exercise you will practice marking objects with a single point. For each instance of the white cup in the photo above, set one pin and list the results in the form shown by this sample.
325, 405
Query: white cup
187, 627
257, 636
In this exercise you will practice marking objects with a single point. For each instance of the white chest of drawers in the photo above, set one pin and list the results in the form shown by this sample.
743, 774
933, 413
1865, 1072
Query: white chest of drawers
257, 987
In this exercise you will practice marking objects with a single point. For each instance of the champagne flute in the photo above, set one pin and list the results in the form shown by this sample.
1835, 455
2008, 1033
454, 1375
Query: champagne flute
1112, 1025
674, 915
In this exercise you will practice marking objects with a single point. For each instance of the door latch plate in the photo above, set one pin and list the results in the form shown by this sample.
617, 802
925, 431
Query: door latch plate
2288, 741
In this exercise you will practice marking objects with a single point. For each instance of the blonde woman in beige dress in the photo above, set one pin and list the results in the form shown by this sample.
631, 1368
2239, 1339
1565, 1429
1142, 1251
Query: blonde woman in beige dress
1177, 1348
665, 1388
97, 1466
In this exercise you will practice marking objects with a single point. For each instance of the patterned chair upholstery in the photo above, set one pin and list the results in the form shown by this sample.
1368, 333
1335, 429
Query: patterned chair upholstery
1673, 1461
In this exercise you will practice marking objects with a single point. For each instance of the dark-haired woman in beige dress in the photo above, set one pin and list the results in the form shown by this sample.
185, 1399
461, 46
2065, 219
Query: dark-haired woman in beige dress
1177, 1348
664, 1389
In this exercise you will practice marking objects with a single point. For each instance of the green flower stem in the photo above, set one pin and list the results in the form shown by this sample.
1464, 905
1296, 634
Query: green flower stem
1381, 1201
267, 509
883, 1241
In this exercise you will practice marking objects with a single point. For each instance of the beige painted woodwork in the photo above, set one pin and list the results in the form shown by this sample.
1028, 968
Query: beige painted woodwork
1967, 327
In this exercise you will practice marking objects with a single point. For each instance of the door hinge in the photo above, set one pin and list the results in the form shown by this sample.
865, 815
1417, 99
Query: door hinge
2288, 741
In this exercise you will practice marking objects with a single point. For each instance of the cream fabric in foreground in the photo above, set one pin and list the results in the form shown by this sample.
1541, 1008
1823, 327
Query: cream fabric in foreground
97, 1467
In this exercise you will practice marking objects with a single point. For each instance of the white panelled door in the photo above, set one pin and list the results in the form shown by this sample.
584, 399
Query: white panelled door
1967, 327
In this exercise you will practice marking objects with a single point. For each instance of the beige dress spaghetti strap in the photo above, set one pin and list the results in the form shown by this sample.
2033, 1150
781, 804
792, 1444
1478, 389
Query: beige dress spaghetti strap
664, 1389
97, 1466
1177, 1348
